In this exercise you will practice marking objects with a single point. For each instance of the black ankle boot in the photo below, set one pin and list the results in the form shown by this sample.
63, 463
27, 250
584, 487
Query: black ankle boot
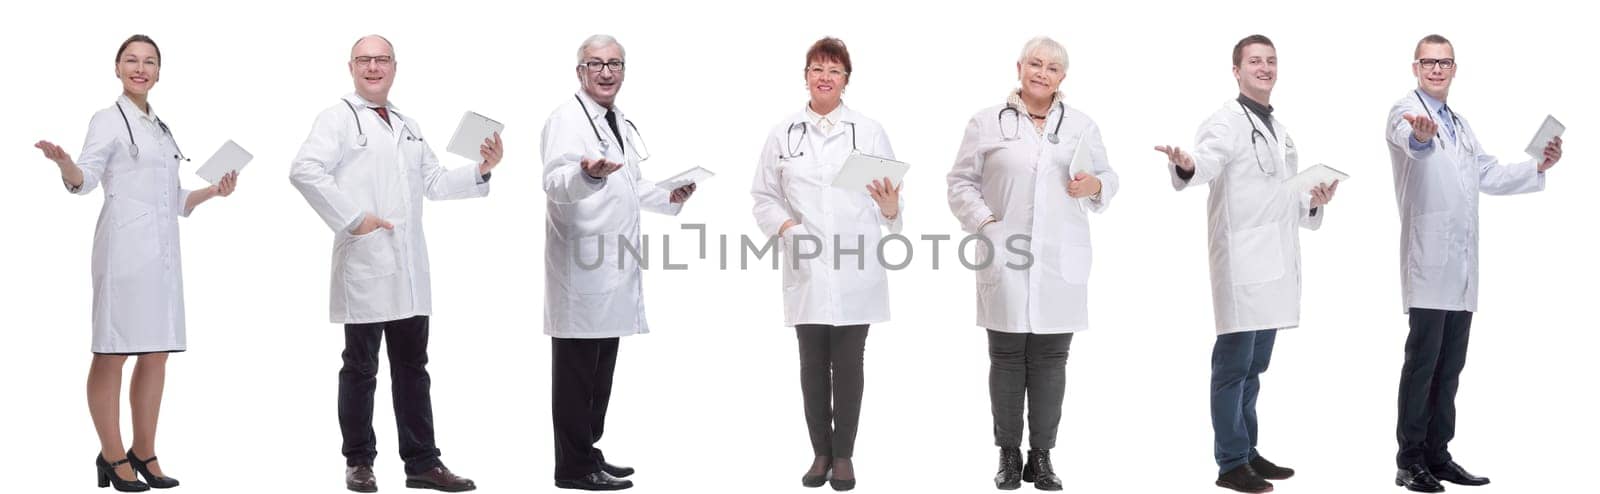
107, 473
1010, 475
1040, 471
142, 467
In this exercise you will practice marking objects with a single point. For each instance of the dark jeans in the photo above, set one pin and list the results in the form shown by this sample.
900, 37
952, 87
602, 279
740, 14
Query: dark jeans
1436, 351
1237, 361
831, 381
409, 384
1031, 368
580, 391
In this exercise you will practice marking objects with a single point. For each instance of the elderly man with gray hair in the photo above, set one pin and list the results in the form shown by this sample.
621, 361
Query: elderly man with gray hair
593, 295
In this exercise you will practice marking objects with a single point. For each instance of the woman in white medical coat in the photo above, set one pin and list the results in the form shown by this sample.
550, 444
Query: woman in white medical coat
138, 280
829, 304
1025, 178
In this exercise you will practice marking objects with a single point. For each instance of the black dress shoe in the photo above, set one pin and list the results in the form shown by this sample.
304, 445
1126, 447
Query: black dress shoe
1450, 472
1039, 471
439, 478
360, 479
598, 481
1417, 478
617, 471
107, 473
1244, 479
1010, 475
142, 467
1270, 471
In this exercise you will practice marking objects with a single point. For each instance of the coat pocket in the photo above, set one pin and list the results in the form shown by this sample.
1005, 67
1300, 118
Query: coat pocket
1256, 255
371, 255
1429, 240
1075, 255
594, 269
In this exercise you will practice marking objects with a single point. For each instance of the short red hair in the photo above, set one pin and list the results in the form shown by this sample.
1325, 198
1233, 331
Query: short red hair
830, 49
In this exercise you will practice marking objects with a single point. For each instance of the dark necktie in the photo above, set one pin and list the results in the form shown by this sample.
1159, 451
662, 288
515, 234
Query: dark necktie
611, 119
382, 112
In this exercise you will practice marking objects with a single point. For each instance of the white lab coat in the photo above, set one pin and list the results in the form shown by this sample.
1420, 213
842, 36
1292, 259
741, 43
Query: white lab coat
138, 279
383, 275
1253, 220
596, 217
1022, 184
854, 289
1437, 191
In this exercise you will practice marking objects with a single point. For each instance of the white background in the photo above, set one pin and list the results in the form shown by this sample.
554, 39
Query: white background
710, 401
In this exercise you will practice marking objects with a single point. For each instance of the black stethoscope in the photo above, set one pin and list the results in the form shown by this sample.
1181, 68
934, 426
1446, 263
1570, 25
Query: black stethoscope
361, 135
1016, 124
1254, 132
133, 147
794, 148
1453, 118
643, 152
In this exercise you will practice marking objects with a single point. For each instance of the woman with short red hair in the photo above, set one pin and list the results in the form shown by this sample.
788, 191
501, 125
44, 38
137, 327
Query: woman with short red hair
829, 300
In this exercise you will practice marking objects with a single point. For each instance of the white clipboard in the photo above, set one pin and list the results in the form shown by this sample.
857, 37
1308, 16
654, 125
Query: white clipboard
691, 176
471, 132
1549, 131
1081, 162
860, 169
229, 158
1309, 178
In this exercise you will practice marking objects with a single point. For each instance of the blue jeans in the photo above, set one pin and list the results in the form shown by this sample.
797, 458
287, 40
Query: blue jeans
1237, 361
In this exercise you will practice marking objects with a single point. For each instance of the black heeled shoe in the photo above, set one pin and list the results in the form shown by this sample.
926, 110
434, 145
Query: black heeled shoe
142, 467
108, 476
809, 480
839, 484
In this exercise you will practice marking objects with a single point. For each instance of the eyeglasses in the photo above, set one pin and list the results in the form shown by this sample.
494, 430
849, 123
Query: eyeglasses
597, 66
1443, 63
816, 71
381, 60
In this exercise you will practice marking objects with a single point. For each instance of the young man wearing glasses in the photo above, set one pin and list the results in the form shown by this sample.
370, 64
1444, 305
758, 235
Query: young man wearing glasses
1439, 170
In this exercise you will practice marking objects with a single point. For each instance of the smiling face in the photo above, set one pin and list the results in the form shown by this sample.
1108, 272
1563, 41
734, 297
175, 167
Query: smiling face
1435, 80
825, 80
372, 66
1257, 71
1040, 75
139, 67
603, 82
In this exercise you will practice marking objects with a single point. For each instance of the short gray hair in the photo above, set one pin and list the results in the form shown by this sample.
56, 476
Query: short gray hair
1051, 47
600, 41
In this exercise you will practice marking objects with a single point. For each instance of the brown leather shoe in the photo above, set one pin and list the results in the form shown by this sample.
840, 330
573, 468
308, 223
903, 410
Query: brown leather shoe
440, 479
360, 479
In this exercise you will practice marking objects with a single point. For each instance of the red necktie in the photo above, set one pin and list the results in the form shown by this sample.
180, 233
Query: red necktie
382, 112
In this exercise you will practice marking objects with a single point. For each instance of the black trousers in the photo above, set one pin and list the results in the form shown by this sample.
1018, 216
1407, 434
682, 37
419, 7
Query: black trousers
1029, 368
1436, 351
580, 390
409, 386
831, 383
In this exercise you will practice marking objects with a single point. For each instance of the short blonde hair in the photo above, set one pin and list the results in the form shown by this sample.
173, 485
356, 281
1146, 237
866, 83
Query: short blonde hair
1053, 50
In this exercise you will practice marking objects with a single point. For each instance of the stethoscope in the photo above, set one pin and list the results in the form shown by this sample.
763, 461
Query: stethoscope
361, 135
1016, 123
1254, 132
133, 147
794, 147
640, 150
1453, 118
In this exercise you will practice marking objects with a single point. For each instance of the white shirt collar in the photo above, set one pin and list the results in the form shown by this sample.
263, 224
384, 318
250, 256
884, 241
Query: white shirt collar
825, 122
134, 109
